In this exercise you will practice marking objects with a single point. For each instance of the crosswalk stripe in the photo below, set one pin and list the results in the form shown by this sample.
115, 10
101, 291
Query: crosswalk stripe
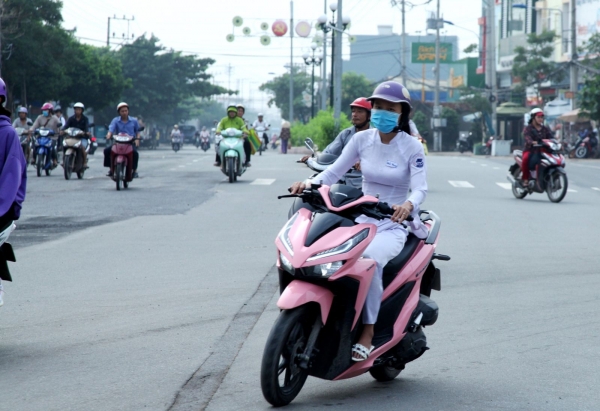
506, 186
596, 188
263, 182
461, 184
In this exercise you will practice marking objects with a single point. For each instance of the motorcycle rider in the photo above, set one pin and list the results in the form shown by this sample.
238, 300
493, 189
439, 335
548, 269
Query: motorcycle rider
233, 121
204, 134
13, 172
80, 121
361, 116
59, 115
392, 163
263, 124
123, 124
22, 121
176, 134
534, 133
241, 110
47, 120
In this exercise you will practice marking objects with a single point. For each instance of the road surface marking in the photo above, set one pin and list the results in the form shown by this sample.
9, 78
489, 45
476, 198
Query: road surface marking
484, 165
506, 186
195, 161
474, 162
596, 188
570, 190
496, 168
263, 182
181, 166
172, 169
461, 184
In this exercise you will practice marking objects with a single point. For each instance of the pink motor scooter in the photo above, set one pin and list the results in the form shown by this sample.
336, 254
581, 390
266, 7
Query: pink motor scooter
324, 282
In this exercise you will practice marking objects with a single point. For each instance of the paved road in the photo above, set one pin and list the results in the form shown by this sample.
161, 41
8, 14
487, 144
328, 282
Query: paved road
171, 309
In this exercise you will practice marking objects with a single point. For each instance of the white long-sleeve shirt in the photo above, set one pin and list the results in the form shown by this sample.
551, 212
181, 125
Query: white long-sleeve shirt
388, 169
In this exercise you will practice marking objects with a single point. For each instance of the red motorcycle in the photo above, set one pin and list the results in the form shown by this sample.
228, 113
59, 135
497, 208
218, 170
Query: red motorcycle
121, 160
549, 175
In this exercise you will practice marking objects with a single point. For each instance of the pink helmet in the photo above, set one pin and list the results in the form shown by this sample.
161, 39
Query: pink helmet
47, 106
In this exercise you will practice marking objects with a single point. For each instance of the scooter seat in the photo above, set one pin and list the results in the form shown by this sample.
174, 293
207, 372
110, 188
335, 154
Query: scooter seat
391, 270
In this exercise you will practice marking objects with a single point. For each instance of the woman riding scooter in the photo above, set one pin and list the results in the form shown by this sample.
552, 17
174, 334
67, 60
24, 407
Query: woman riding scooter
392, 161
232, 121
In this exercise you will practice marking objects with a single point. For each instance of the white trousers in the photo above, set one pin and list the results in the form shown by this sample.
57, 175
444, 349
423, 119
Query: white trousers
386, 245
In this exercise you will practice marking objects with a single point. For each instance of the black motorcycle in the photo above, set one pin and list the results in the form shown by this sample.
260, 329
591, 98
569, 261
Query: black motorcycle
464, 145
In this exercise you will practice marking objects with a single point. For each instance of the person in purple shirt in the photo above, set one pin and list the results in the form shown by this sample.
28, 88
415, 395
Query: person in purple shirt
123, 124
13, 173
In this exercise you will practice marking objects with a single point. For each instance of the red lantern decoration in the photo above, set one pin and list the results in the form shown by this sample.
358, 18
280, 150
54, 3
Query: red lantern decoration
279, 28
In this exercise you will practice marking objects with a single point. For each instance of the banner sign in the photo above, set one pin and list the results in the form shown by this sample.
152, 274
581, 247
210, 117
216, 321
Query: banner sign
424, 53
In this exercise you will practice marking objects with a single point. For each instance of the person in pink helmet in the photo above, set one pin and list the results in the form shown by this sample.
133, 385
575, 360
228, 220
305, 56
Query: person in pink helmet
392, 163
47, 120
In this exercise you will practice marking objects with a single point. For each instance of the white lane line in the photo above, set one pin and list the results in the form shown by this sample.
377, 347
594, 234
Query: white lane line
484, 165
506, 186
181, 166
596, 188
461, 184
570, 190
474, 162
263, 182
195, 161
172, 169
496, 168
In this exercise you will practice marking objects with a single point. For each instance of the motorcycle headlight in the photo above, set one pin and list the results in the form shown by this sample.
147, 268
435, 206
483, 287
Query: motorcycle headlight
286, 264
343, 248
323, 270
555, 146
284, 234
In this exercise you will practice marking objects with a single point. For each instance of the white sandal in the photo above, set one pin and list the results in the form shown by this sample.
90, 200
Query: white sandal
362, 351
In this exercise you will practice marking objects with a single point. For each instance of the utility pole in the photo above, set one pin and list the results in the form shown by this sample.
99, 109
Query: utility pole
291, 61
403, 45
337, 74
114, 17
108, 33
574, 72
437, 133
324, 69
1, 15
492, 62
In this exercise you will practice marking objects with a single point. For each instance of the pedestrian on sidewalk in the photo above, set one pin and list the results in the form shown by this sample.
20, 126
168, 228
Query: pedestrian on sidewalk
13, 176
285, 136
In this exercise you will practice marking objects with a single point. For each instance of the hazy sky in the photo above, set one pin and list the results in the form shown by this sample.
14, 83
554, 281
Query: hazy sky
200, 27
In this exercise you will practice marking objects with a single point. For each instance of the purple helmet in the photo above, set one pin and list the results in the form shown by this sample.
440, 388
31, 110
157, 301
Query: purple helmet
3, 90
391, 91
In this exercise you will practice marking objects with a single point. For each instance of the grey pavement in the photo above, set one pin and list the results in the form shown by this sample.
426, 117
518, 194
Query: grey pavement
168, 306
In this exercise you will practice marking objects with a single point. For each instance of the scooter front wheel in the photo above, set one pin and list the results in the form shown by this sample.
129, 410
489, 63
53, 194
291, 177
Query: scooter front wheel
119, 175
40, 164
281, 377
68, 166
231, 169
384, 373
557, 187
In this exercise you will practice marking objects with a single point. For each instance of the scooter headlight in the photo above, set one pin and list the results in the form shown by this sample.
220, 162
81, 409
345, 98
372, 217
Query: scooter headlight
286, 264
323, 270
343, 248
284, 234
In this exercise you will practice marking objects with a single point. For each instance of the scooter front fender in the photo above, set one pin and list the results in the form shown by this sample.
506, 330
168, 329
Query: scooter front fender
69, 151
298, 293
121, 159
41, 151
231, 153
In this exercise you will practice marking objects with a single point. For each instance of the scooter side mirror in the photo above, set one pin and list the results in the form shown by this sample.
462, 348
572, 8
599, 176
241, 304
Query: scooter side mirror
309, 143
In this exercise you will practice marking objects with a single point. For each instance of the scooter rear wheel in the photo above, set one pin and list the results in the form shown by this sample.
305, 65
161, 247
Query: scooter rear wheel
281, 378
581, 152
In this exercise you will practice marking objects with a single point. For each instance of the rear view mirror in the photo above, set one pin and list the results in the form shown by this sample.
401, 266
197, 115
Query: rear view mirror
309, 143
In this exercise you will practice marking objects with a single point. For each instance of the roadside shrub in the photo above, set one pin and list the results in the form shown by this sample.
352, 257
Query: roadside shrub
320, 129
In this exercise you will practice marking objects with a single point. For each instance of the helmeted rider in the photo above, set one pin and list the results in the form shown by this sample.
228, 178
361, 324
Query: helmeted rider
13, 174
123, 124
47, 120
241, 110
534, 133
204, 133
58, 113
392, 162
361, 116
80, 121
22, 121
261, 123
176, 134
233, 121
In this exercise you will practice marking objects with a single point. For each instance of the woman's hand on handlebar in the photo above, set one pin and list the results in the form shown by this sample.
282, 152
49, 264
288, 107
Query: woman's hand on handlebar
297, 188
401, 212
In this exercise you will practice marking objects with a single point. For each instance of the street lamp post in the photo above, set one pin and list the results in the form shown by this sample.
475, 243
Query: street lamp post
327, 27
314, 61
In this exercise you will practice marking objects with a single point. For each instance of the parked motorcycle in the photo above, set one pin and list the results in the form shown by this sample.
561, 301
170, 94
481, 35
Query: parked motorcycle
73, 158
463, 145
586, 145
231, 151
550, 176
43, 147
324, 279
25, 142
121, 160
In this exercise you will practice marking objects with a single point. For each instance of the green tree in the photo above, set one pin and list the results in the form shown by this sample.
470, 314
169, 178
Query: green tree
532, 64
589, 102
353, 86
320, 129
422, 122
279, 89
450, 132
162, 79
